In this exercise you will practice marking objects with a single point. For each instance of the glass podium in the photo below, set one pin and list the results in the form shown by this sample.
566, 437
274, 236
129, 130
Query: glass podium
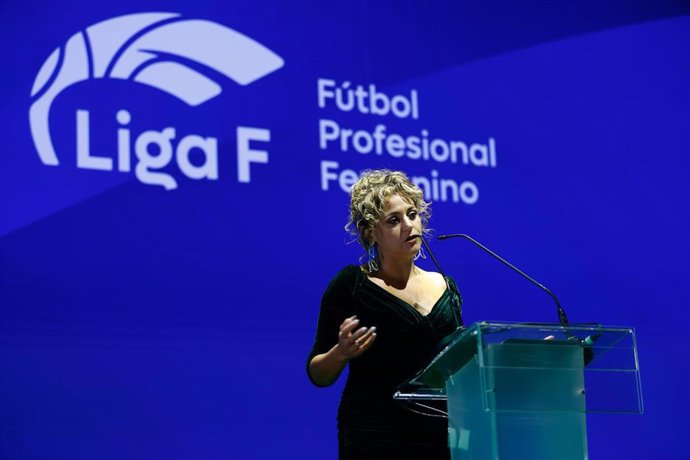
522, 390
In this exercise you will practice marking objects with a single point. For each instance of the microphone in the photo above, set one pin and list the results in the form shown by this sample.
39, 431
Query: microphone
562, 317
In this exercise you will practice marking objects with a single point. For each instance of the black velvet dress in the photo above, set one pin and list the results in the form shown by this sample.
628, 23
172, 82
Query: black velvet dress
371, 424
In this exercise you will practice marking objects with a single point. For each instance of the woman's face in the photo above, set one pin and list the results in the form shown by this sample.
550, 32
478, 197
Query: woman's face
399, 229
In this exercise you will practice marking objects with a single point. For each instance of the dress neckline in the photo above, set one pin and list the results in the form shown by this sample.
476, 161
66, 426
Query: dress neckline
404, 302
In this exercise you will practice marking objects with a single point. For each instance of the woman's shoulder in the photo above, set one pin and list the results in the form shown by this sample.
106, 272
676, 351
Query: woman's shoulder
347, 275
434, 278
349, 271
346, 280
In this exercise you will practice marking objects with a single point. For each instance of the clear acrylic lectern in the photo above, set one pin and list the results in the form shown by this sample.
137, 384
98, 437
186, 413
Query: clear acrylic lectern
514, 394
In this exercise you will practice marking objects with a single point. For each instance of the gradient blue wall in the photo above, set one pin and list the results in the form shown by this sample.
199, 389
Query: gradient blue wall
138, 322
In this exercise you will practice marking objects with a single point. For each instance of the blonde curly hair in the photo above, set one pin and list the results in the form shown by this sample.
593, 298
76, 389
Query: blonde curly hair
369, 195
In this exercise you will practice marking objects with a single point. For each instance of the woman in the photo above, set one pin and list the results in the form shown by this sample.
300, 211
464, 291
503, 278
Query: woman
383, 319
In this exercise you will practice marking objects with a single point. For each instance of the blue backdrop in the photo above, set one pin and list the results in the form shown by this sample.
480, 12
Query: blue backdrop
172, 203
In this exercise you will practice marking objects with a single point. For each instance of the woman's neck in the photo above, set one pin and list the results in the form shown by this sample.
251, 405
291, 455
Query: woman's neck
396, 272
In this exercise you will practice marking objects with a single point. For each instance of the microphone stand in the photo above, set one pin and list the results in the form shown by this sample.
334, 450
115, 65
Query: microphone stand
455, 298
562, 317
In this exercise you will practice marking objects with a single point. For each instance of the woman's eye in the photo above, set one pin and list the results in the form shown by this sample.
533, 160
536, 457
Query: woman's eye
412, 214
393, 220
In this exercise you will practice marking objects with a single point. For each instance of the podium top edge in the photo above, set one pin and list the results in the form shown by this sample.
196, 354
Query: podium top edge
482, 325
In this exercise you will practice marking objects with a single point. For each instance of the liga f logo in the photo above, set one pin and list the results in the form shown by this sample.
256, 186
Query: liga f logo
150, 49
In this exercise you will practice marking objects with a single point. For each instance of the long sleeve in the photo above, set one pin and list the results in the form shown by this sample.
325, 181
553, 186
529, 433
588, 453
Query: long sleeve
336, 305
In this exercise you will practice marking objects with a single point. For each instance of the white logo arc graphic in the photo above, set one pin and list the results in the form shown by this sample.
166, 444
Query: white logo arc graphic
134, 47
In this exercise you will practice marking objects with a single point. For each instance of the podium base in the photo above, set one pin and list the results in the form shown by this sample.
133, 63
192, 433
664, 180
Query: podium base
524, 402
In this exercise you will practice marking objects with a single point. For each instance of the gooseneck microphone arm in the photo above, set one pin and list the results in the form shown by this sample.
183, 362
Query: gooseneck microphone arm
562, 317
455, 298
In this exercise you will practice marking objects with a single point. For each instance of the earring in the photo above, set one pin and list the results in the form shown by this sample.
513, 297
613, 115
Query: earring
420, 253
371, 263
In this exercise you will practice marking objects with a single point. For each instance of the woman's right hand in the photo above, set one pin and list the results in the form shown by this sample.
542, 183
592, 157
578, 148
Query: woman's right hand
352, 342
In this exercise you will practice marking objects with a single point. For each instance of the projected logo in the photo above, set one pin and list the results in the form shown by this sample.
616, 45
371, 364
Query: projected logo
165, 52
